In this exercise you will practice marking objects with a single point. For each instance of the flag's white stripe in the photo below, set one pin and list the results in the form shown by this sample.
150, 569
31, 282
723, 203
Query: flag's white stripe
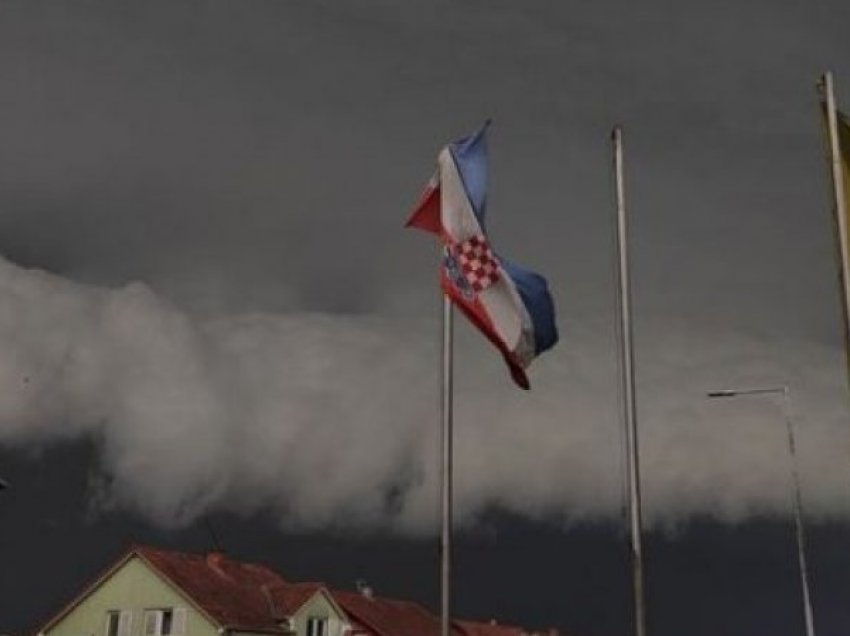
458, 219
501, 300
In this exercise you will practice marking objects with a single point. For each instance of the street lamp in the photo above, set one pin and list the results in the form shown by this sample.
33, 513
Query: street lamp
785, 393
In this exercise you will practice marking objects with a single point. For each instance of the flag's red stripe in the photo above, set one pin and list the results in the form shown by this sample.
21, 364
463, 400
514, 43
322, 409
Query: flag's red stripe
426, 216
476, 314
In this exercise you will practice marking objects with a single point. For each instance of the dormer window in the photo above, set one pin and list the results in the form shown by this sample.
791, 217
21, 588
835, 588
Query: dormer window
317, 626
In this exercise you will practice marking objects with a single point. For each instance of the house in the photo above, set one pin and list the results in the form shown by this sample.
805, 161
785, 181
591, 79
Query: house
153, 592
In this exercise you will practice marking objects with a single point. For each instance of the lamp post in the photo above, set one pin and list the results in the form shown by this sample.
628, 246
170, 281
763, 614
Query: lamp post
785, 394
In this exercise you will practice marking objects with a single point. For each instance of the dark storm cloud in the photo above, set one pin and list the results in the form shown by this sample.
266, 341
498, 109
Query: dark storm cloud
252, 167
201, 144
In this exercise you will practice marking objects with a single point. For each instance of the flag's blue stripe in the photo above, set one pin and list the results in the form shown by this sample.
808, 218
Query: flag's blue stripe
470, 157
535, 296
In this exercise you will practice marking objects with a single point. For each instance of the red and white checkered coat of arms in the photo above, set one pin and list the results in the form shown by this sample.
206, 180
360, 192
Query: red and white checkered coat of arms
471, 265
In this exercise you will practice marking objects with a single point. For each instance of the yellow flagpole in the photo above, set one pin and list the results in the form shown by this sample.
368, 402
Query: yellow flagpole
840, 206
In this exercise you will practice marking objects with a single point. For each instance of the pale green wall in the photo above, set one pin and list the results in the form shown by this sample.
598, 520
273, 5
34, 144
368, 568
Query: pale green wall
318, 606
132, 587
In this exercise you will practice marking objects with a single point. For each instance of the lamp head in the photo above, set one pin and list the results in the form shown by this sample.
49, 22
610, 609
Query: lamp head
722, 393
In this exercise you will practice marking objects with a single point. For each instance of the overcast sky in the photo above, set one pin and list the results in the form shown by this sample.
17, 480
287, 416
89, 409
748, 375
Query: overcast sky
210, 309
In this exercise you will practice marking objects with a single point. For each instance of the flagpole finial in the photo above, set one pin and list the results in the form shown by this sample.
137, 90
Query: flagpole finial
616, 131
822, 82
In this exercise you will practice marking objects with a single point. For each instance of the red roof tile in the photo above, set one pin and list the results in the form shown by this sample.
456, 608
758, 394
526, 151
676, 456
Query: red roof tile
388, 617
474, 628
233, 593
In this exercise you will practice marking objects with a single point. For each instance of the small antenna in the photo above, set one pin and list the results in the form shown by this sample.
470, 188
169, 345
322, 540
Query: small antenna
364, 588
216, 544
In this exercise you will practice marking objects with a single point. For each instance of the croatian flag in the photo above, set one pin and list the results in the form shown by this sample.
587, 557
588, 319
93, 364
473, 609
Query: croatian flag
509, 304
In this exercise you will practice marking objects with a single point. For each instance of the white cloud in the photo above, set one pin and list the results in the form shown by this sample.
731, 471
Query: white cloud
333, 419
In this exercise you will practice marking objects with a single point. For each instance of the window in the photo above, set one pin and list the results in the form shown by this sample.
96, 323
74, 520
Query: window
112, 620
118, 623
165, 622
317, 626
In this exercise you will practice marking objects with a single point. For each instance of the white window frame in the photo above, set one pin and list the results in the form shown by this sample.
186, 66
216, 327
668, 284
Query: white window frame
157, 616
179, 621
112, 617
123, 622
313, 622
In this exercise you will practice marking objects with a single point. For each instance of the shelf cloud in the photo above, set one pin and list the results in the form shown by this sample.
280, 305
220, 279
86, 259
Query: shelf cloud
330, 419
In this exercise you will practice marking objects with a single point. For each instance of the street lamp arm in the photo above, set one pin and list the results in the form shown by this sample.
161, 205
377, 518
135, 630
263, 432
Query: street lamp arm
722, 393
728, 393
784, 391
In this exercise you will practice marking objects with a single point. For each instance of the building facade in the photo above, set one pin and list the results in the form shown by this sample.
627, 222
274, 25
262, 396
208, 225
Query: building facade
153, 592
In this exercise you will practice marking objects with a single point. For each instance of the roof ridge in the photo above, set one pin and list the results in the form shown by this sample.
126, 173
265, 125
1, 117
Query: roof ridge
385, 599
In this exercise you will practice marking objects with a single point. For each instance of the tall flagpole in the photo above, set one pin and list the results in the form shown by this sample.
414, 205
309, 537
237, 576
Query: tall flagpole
447, 407
840, 209
628, 380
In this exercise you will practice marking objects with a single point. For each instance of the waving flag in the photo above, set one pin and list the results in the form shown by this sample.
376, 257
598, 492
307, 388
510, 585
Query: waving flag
510, 305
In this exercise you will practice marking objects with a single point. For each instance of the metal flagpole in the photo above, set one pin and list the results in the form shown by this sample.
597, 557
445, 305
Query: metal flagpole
840, 210
628, 380
447, 406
